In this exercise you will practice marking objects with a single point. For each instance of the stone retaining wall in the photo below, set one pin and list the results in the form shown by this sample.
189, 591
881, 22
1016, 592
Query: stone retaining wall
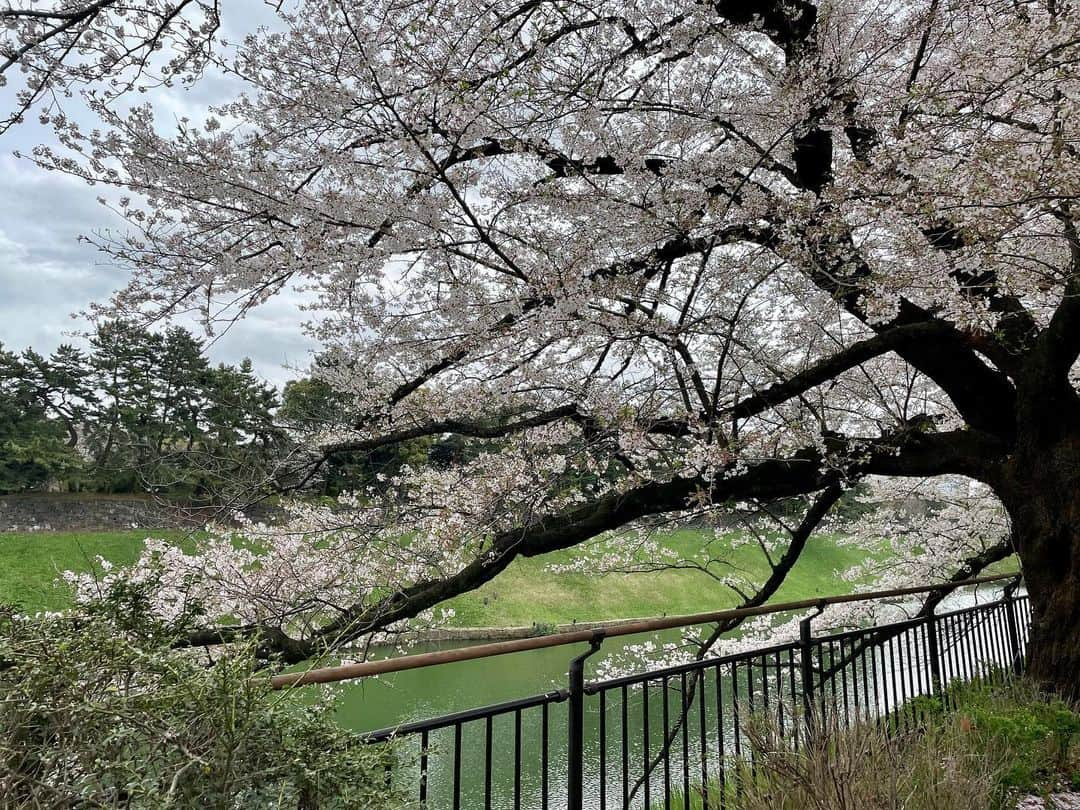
520, 631
93, 512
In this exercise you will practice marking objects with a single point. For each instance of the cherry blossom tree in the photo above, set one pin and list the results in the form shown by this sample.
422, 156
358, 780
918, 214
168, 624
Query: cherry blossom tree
106, 47
654, 259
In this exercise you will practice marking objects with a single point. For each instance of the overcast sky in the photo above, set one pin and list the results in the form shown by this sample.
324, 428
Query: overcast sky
47, 275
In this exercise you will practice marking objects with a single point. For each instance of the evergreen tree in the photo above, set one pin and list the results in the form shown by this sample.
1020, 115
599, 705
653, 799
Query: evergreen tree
34, 449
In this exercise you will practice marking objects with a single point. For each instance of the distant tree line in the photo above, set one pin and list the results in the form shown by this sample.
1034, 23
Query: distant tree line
146, 411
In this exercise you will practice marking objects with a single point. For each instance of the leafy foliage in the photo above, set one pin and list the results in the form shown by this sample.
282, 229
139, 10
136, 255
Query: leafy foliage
1039, 733
97, 710
33, 448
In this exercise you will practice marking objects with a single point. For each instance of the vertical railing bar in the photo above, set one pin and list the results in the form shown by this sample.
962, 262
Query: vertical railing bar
989, 643
457, 766
983, 643
806, 668
933, 653
905, 669
822, 692
963, 660
752, 708
685, 717
487, 762
735, 726
972, 656
997, 633
625, 751
517, 759
919, 644
603, 748
645, 737
948, 671
871, 649
423, 766
545, 729
992, 643
920, 657
704, 747
1001, 639
867, 712
898, 695
779, 694
977, 654
957, 653
793, 691
890, 698
765, 684
912, 670
721, 765
844, 683
988, 655
666, 750
854, 663
1001, 633
958, 635
1002, 664
971, 645
832, 671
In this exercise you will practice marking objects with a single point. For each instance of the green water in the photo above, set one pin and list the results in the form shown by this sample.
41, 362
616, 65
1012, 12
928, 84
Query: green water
417, 694
424, 693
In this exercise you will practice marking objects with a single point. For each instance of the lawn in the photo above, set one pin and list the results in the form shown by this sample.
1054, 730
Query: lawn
526, 593
31, 562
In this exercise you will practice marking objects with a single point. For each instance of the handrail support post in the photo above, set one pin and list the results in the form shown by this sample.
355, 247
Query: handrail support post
934, 652
1010, 619
806, 666
575, 750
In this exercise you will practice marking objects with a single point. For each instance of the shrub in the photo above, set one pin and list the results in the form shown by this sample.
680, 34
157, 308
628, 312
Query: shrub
98, 710
1040, 733
865, 768
981, 746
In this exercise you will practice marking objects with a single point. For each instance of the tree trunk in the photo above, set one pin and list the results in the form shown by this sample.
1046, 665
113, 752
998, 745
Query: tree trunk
1042, 495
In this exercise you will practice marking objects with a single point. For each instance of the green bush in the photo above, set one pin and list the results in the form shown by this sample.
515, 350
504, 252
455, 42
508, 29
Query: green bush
98, 710
1040, 733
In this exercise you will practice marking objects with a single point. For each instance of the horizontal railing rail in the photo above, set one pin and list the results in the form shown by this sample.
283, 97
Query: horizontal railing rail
364, 669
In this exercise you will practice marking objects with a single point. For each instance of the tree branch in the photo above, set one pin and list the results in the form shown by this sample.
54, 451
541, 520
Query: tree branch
907, 453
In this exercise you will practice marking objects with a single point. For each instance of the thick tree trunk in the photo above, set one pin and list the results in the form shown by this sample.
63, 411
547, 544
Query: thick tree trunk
1042, 494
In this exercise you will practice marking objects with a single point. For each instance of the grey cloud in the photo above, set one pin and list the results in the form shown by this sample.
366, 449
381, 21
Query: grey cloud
47, 274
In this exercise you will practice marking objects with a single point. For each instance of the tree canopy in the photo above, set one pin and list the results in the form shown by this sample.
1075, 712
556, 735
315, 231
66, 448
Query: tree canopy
706, 252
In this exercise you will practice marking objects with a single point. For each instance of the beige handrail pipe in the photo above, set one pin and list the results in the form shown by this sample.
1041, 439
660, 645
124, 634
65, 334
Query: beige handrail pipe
346, 672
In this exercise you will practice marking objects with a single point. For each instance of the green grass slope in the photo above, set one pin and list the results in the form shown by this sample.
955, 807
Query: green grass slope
31, 562
526, 593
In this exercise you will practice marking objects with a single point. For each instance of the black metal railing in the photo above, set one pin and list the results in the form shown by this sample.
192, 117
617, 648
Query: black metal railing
638, 741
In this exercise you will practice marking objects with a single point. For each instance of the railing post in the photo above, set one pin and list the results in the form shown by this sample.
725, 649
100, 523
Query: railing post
806, 668
934, 651
1014, 631
575, 748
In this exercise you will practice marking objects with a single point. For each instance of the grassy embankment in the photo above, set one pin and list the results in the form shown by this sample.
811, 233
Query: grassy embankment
524, 594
